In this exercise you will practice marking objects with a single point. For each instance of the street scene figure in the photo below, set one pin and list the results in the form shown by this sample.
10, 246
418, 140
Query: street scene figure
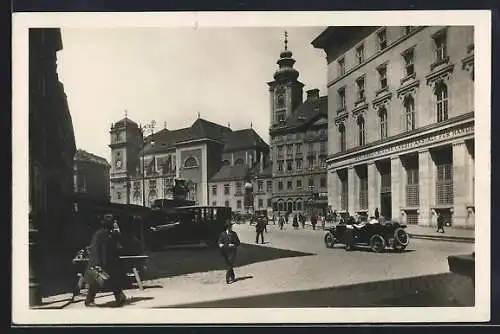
376, 213
228, 245
260, 226
302, 219
295, 223
440, 223
281, 222
104, 253
314, 221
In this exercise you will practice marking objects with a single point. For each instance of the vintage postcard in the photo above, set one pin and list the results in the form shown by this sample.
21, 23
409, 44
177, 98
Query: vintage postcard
293, 167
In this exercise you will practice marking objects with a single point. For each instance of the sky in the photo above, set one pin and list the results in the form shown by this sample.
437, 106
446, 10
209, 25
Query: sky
172, 74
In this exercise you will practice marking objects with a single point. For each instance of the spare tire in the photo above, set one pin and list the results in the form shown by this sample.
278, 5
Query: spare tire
329, 240
401, 237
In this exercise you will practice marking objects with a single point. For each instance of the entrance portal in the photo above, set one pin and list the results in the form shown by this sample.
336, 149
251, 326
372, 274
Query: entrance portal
386, 205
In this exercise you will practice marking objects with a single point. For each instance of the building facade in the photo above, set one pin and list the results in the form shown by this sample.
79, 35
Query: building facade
51, 139
91, 176
401, 136
145, 168
299, 137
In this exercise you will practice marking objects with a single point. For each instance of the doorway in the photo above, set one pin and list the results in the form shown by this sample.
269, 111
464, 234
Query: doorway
386, 205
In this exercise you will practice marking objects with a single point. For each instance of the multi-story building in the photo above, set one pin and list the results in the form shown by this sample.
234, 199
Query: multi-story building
51, 140
298, 132
145, 169
401, 136
91, 176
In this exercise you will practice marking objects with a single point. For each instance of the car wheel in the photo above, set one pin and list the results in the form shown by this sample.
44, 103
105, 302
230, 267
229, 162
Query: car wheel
401, 237
377, 243
329, 240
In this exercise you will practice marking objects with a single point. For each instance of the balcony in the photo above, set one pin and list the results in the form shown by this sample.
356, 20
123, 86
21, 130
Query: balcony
323, 153
298, 154
280, 155
289, 154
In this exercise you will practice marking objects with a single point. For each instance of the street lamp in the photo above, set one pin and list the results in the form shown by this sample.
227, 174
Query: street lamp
312, 199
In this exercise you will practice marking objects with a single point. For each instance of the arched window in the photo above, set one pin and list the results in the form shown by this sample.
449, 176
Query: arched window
299, 205
190, 162
441, 93
281, 205
361, 131
239, 162
409, 109
342, 137
382, 114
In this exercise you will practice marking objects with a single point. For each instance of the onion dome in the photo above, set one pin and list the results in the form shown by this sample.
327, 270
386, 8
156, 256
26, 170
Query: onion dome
286, 62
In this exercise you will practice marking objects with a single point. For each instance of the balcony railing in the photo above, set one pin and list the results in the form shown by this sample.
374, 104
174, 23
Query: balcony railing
298, 154
311, 154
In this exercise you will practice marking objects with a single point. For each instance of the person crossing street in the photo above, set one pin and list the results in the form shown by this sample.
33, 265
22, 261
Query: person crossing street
228, 245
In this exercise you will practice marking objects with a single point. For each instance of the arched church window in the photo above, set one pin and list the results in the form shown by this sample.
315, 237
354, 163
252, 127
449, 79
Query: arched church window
191, 162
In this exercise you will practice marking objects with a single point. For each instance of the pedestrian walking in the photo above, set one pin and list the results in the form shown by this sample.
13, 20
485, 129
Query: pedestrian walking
314, 221
323, 222
104, 262
274, 219
377, 214
440, 223
260, 226
295, 223
281, 222
302, 221
228, 245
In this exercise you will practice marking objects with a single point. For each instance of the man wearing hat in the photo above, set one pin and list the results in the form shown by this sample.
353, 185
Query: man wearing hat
103, 252
228, 244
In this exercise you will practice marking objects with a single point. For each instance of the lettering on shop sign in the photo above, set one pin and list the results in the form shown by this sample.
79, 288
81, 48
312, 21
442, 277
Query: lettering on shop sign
419, 142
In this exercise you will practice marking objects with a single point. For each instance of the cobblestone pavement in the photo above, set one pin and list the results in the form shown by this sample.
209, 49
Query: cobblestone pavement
294, 268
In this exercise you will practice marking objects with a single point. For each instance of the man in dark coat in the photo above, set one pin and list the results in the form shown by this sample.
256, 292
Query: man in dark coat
103, 252
228, 244
314, 221
259, 229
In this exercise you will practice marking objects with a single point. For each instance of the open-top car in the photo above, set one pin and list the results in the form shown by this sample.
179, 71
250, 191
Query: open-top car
378, 236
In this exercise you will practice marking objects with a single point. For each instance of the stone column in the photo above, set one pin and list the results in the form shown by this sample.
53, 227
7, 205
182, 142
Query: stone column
352, 181
333, 190
425, 187
397, 194
460, 184
373, 188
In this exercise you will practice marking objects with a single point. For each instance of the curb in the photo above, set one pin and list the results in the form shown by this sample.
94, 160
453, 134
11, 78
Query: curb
442, 238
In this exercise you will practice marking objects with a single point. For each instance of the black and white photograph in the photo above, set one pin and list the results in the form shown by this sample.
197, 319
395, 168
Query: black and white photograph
292, 167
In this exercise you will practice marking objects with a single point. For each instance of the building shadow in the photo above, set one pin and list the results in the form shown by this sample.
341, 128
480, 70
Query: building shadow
441, 290
182, 261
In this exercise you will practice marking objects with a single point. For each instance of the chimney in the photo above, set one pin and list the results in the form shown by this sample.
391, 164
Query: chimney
312, 94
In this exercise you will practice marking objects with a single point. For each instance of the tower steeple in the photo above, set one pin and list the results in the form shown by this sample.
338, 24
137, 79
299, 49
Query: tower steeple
285, 91
286, 62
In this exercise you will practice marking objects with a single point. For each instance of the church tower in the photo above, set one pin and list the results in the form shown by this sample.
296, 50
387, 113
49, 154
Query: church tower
285, 91
126, 139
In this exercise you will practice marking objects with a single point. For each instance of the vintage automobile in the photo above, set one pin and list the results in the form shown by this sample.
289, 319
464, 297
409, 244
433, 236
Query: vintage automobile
377, 236
187, 225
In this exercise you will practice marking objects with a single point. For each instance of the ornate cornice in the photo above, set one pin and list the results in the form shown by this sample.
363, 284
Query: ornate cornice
468, 61
408, 89
439, 74
360, 109
340, 119
382, 100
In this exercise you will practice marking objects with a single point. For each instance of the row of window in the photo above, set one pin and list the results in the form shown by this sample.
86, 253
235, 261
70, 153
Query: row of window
239, 186
300, 136
439, 46
441, 110
298, 183
260, 203
408, 57
311, 164
443, 186
298, 148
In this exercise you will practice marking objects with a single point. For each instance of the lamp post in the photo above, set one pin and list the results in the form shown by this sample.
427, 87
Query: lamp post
312, 199
143, 129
